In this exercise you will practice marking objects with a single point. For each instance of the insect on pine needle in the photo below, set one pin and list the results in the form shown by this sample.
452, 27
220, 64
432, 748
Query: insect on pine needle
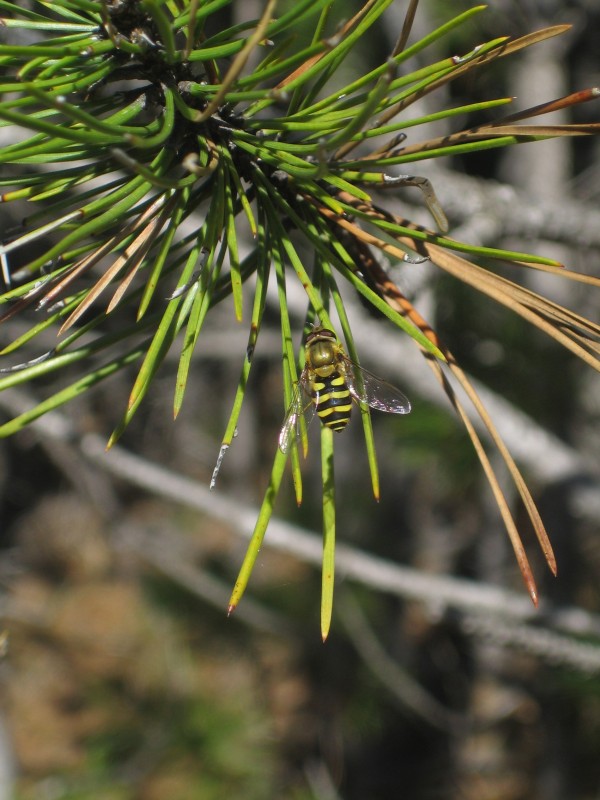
331, 381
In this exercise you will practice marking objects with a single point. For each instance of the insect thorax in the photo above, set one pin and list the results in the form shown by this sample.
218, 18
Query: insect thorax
322, 357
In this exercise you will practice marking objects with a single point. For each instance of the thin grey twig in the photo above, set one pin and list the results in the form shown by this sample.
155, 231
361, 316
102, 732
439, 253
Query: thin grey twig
170, 554
552, 647
7, 765
490, 210
400, 683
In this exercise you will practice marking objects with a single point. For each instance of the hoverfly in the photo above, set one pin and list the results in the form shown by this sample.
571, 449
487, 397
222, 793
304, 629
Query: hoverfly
332, 381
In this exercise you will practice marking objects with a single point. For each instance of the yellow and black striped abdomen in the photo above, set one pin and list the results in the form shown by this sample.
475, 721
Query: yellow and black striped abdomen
332, 400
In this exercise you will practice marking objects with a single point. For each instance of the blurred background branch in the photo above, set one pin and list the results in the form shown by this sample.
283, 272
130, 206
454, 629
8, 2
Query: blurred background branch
172, 554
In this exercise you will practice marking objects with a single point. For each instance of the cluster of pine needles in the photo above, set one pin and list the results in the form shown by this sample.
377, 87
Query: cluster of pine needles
173, 158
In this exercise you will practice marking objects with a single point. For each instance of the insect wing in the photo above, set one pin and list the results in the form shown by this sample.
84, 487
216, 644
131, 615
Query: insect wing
374, 391
290, 428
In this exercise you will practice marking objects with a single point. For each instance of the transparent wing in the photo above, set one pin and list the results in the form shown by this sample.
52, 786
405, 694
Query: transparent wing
290, 429
374, 391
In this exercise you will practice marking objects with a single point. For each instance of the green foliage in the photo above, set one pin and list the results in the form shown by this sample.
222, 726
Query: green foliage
171, 157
